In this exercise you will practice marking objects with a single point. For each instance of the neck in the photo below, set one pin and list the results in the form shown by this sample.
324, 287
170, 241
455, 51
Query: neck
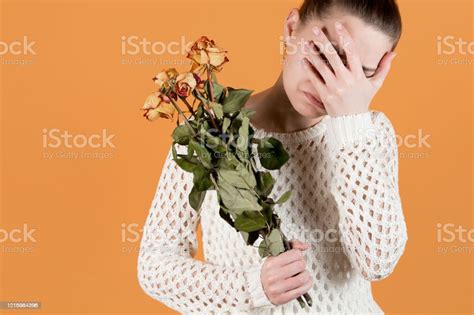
278, 112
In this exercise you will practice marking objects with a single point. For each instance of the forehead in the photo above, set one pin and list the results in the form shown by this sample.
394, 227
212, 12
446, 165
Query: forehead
371, 43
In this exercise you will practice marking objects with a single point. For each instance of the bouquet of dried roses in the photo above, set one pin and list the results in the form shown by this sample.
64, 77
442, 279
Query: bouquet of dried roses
217, 134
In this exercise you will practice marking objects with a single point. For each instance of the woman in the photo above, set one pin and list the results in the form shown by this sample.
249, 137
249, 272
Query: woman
345, 214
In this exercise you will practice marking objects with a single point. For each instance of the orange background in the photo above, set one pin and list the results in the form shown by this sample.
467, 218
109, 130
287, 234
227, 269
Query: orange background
87, 212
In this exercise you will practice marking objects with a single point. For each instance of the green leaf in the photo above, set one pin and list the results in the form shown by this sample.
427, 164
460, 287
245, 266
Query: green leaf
237, 200
265, 182
247, 112
184, 162
216, 89
268, 213
201, 151
217, 108
225, 124
275, 242
250, 221
243, 140
214, 143
235, 100
241, 177
272, 154
196, 198
202, 178
263, 249
228, 162
182, 134
283, 198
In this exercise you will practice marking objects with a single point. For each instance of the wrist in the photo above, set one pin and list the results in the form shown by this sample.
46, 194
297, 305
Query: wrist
350, 129
256, 290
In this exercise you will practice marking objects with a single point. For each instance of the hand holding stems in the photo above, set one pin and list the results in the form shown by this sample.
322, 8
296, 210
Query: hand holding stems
344, 90
285, 277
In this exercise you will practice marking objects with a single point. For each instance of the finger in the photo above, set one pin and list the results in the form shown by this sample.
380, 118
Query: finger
297, 281
292, 269
321, 66
298, 291
291, 283
350, 51
383, 70
327, 49
315, 78
286, 258
299, 245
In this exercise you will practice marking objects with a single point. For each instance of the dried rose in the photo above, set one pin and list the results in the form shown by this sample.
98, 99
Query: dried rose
158, 105
199, 82
185, 84
205, 52
162, 78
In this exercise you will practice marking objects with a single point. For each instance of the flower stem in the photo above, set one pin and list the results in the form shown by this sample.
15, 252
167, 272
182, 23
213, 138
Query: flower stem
186, 121
208, 109
190, 108
210, 83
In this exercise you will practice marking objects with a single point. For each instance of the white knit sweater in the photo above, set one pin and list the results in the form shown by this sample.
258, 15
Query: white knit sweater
343, 173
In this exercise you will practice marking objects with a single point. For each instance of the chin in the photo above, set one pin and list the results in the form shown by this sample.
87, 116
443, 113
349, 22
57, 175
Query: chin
306, 109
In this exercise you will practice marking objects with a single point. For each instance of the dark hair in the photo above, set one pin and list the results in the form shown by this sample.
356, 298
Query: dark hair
382, 14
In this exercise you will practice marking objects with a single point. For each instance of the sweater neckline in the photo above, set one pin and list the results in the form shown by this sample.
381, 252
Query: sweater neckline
312, 132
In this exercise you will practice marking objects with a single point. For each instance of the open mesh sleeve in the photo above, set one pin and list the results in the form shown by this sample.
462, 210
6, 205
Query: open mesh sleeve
365, 188
167, 270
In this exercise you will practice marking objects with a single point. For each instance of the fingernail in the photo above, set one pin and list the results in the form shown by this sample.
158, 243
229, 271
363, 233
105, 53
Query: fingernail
316, 31
338, 26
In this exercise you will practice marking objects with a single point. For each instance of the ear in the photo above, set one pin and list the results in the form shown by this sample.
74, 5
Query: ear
291, 23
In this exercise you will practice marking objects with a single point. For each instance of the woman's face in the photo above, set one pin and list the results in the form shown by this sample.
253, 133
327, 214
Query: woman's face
371, 45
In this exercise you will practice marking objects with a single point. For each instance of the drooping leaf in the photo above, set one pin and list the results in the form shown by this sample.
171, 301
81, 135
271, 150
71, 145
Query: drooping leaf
250, 221
272, 154
283, 198
216, 90
202, 178
201, 151
243, 140
263, 249
265, 183
182, 134
235, 100
275, 242
217, 109
225, 124
237, 200
196, 198
186, 163
240, 177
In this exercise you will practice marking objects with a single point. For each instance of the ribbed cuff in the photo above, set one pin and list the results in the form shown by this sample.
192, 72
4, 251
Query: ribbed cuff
350, 129
257, 294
